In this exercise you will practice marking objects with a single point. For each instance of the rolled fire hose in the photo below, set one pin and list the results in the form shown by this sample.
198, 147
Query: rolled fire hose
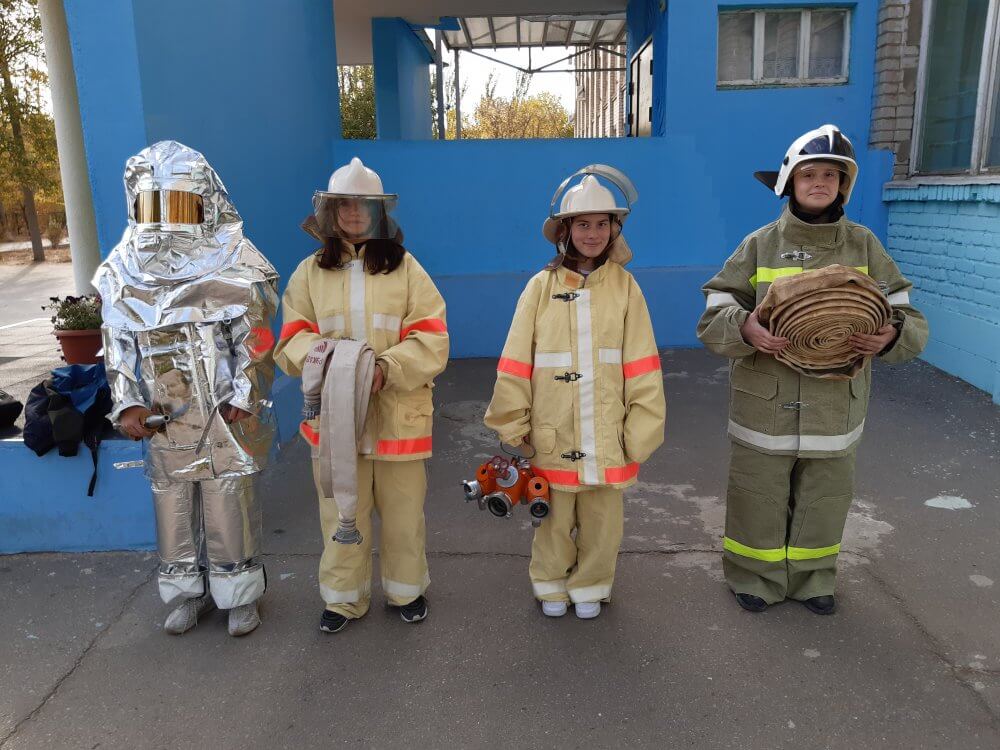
818, 312
346, 394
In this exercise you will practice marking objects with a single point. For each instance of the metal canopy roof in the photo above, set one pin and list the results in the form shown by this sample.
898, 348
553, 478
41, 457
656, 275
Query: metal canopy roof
556, 30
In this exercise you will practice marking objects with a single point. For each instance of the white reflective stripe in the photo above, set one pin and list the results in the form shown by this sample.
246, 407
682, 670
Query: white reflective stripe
585, 366
333, 596
395, 588
590, 594
795, 442
610, 356
545, 588
331, 324
174, 587
359, 331
720, 299
231, 590
899, 298
554, 359
386, 322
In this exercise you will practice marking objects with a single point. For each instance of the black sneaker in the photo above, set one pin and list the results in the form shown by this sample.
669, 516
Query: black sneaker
415, 611
332, 622
751, 603
821, 605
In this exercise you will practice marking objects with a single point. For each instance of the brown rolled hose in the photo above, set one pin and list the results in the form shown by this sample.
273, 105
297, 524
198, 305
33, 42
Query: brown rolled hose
818, 312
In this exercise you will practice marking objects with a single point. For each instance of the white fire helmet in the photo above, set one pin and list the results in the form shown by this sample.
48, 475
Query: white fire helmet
355, 196
826, 143
589, 196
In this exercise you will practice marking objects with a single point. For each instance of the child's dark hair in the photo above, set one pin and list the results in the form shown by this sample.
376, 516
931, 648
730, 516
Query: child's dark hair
381, 255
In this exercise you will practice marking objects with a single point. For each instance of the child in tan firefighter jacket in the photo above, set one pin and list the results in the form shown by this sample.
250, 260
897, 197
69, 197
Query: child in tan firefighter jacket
579, 381
794, 437
364, 285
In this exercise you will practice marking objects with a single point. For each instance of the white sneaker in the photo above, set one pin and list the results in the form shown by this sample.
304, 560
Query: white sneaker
588, 610
243, 619
185, 617
553, 609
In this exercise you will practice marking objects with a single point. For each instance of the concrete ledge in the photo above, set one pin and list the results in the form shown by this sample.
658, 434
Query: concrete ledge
44, 505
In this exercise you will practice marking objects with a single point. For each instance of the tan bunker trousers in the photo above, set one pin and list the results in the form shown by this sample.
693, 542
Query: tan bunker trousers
396, 490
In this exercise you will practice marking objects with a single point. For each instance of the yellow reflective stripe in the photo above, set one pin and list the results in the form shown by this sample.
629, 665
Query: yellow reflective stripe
811, 553
767, 555
766, 275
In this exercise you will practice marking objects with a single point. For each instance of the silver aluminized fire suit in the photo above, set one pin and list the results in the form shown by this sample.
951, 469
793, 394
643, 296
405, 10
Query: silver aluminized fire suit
187, 329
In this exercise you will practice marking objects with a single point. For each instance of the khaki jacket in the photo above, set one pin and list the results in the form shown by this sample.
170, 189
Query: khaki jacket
400, 314
772, 408
581, 375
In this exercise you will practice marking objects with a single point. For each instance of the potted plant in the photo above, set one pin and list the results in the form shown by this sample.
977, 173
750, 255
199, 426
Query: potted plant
77, 324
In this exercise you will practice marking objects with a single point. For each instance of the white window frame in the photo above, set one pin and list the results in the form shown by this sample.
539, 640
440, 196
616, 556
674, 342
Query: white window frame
805, 38
987, 106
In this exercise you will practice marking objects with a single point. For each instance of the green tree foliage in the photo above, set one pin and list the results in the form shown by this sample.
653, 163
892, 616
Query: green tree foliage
518, 116
357, 101
28, 158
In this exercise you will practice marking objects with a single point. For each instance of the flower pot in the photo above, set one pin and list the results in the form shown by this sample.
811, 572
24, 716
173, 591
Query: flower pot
80, 347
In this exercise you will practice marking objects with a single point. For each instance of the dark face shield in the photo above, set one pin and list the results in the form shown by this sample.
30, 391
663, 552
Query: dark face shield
824, 146
355, 218
168, 207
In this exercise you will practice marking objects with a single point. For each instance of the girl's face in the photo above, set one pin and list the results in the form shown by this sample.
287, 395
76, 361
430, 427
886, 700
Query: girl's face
816, 185
591, 234
354, 216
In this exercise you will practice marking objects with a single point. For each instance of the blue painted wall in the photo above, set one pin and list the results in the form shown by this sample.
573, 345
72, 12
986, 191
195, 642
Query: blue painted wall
402, 81
252, 85
946, 239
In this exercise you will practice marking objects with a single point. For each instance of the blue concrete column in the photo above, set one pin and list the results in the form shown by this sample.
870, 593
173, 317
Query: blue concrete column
402, 81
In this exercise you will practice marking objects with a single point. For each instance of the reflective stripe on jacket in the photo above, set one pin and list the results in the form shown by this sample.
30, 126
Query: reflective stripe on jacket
772, 408
581, 375
402, 316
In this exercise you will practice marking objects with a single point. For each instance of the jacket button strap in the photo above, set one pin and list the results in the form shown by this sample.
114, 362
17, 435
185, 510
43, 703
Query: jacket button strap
568, 377
797, 255
566, 296
574, 455
797, 405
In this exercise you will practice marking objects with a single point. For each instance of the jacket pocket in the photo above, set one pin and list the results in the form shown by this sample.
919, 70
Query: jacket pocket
543, 440
860, 386
413, 414
752, 398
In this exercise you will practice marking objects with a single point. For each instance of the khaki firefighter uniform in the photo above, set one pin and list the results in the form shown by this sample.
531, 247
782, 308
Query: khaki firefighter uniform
402, 316
794, 436
580, 377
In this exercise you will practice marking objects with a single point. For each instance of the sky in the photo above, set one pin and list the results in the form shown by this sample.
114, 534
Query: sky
474, 70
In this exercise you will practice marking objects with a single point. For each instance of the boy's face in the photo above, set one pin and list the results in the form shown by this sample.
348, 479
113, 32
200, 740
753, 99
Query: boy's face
591, 233
816, 185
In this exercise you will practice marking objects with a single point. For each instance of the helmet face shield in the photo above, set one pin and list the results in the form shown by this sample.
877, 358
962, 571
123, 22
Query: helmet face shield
837, 145
355, 218
168, 207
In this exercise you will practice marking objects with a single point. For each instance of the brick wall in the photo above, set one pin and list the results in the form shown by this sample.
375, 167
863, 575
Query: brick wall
946, 240
896, 58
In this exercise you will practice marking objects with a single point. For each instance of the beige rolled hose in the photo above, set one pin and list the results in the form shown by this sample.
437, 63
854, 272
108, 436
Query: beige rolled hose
818, 312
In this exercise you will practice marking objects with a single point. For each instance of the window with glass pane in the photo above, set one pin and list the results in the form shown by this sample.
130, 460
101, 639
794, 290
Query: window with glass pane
826, 44
954, 54
781, 45
735, 47
993, 142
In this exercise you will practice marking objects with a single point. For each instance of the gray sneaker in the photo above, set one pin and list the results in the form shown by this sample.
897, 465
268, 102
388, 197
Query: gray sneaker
185, 617
243, 619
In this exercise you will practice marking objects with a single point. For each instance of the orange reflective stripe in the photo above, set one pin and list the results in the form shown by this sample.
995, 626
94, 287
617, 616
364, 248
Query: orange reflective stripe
290, 329
641, 366
558, 476
261, 341
404, 447
515, 368
309, 433
615, 474
428, 325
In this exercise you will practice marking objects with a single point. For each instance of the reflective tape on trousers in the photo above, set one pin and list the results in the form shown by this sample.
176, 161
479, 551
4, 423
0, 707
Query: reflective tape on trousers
780, 553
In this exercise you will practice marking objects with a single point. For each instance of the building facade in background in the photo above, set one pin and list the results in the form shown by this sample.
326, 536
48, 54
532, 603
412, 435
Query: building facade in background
935, 108
600, 93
